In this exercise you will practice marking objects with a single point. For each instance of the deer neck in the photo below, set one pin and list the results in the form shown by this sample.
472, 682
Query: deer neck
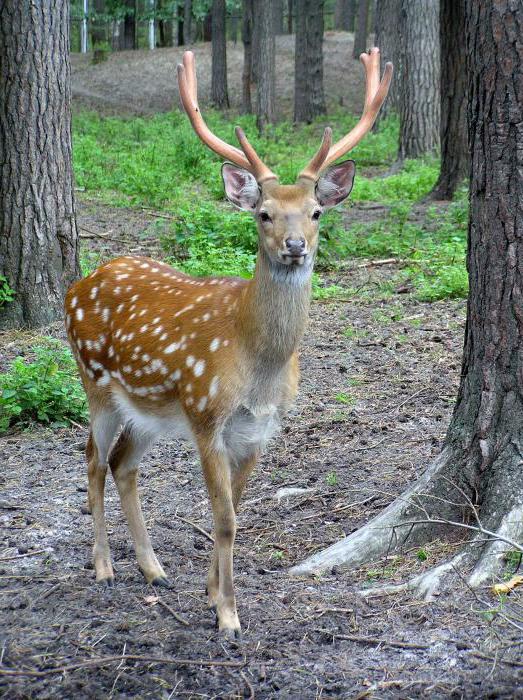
275, 309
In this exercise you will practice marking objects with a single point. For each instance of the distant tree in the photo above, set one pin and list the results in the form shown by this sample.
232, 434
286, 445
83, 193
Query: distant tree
180, 26
344, 14
265, 108
187, 21
219, 95
309, 98
419, 80
477, 478
362, 28
277, 10
164, 12
247, 21
290, 14
129, 25
455, 158
387, 39
38, 234
98, 33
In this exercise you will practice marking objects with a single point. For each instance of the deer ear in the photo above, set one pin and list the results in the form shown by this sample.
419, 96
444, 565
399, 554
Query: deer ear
335, 184
241, 187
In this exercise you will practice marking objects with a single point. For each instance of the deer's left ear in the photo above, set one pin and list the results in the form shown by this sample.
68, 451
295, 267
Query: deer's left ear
241, 187
335, 184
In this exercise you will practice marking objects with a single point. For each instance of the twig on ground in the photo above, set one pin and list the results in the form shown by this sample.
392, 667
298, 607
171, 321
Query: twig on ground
196, 527
27, 554
359, 639
379, 263
176, 616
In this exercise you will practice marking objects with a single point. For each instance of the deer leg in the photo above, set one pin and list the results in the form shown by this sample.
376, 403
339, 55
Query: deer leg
217, 473
103, 429
123, 460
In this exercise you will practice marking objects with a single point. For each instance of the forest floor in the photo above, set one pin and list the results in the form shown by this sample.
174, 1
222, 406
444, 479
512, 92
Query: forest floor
379, 380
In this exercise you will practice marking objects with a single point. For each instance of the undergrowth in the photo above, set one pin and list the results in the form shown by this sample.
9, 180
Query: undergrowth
46, 390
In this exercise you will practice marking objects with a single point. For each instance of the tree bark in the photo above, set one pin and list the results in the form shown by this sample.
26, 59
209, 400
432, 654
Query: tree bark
129, 25
207, 27
309, 98
477, 479
187, 21
344, 14
290, 13
362, 29
247, 15
419, 93
38, 235
387, 39
98, 33
453, 129
219, 95
265, 108
277, 16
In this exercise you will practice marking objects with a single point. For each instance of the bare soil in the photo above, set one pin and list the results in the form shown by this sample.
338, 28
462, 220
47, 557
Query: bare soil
379, 377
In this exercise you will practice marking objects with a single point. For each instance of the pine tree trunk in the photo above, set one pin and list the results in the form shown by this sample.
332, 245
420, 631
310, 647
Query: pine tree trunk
387, 36
477, 480
219, 95
419, 93
344, 13
309, 98
187, 21
455, 160
290, 14
362, 29
277, 16
129, 26
247, 14
38, 235
266, 111
98, 30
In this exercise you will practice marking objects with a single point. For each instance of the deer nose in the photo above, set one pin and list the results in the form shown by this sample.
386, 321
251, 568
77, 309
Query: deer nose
295, 246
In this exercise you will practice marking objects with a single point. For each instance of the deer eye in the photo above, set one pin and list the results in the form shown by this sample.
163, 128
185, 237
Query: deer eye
265, 217
316, 215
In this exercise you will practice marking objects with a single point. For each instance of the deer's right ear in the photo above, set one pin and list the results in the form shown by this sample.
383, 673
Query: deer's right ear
241, 187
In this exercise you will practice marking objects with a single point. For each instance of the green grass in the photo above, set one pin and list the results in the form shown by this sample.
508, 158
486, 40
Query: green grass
46, 390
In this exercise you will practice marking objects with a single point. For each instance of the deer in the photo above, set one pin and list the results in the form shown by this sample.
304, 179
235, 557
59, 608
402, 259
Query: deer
211, 359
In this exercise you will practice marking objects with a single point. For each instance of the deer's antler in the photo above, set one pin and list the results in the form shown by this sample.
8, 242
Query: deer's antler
247, 157
375, 94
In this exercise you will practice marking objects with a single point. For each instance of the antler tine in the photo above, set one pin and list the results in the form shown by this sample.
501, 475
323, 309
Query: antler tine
375, 94
315, 164
247, 158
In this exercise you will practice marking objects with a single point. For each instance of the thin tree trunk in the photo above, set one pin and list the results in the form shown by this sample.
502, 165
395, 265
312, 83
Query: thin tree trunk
277, 16
309, 98
207, 27
362, 29
266, 111
455, 157
129, 25
290, 12
38, 235
98, 33
257, 8
386, 38
180, 27
234, 28
344, 13
419, 92
219, 95
247, 14
187, 21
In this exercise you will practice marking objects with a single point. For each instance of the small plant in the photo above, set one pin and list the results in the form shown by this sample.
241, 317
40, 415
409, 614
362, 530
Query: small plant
331, 479
422, 554
345, 398
6, 293
278, 555
46, 390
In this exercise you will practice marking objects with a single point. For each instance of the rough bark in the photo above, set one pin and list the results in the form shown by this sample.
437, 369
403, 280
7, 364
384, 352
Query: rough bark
453, 129
419, 94
478, 476
247, 15
309, 98
219, 95
387, 39
344, 14
362, 29
129, 25
38, 235
265, 108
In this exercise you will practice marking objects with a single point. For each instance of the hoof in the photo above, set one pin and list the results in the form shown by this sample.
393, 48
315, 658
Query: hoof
106, 582
85, 510
232, 635
161, 582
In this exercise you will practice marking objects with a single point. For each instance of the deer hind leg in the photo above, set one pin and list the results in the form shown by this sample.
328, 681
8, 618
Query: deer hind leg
104, 425
125, 456
220, 586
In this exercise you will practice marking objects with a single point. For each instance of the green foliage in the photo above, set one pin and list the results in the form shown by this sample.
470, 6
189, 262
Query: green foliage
6, 293
46, 390
331, 479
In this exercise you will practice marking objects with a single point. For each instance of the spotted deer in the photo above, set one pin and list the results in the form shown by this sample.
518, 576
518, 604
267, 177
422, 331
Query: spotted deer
214, 359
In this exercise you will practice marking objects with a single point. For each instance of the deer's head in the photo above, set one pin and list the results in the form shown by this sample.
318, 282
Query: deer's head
288, 215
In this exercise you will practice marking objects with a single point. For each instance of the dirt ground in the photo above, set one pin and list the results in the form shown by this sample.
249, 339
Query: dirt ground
379, 377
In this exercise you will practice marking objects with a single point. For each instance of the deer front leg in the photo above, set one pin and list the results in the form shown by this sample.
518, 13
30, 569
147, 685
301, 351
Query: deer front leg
220, 586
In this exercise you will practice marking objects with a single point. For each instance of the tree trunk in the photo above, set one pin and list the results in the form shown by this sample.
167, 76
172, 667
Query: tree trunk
344, 14
233, 31
477, 481
309, 98
453, 130
180, 27
362, 28
98, 33
187, 21
277, 16
219, 95
165, 24
207, 27
129, 25
290, 12
265, 108
38, 235
247, 14
387, 39
257, 9
419, 101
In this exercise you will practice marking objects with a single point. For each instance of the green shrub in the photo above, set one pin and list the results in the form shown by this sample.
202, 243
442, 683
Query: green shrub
6, 293
46, 390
